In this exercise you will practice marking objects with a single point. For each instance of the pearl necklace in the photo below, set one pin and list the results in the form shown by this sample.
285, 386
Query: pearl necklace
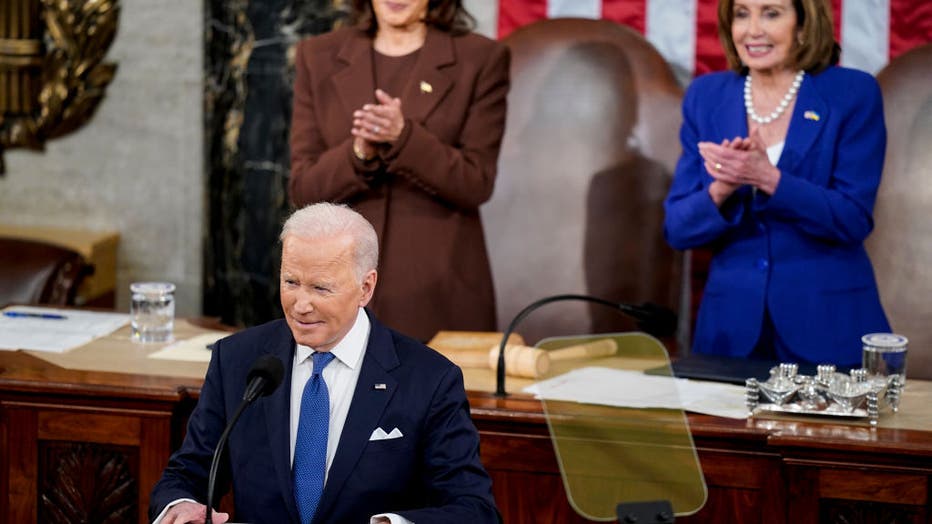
787, 98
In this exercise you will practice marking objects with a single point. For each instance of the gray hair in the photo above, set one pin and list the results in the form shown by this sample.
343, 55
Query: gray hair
325, 220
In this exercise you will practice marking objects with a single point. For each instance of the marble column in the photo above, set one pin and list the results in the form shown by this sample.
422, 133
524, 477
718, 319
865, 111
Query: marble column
248, 93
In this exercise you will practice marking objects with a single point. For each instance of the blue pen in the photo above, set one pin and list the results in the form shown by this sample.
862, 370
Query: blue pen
25, 314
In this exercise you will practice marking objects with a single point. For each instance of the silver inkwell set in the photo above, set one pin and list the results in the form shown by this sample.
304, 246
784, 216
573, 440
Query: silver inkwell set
861, 393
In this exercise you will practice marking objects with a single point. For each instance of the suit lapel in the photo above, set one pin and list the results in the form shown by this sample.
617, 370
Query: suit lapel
365, 411
354, 84
730, 119
428, 84
277, 417
809, 117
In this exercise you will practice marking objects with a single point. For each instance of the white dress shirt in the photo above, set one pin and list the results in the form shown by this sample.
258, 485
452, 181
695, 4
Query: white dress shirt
340, 375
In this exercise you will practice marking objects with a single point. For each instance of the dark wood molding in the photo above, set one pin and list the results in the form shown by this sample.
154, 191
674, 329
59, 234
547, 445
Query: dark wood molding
756, 471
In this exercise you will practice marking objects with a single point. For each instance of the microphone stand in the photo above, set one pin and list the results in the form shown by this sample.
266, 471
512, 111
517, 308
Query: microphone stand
215, 462
643, 314
264, 378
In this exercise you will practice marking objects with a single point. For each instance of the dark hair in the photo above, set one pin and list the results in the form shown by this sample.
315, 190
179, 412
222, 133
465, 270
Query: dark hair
446, 15
816, 48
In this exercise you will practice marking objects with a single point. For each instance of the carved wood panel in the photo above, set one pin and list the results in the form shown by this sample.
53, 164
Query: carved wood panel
69, 464
834, 511
92, 483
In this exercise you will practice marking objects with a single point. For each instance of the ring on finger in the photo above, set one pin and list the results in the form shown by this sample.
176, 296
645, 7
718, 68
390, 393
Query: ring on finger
375, 129
718, 167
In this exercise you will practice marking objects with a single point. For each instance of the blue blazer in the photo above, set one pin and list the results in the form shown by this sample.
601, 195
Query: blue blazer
800, 252
431, 474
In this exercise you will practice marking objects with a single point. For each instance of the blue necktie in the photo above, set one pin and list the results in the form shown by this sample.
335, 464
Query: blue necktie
310, 449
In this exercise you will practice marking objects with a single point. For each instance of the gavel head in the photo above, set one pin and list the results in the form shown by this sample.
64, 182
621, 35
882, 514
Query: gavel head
521, 361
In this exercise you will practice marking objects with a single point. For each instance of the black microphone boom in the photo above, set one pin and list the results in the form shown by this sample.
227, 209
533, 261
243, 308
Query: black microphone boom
264, 377
651, 318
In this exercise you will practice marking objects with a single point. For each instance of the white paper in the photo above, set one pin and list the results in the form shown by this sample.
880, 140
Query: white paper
634, 389
56, 335
193, 349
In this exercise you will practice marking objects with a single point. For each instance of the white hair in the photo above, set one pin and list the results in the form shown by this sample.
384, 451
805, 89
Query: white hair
325, 219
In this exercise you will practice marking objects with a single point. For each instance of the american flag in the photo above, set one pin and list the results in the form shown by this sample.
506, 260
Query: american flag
871, 32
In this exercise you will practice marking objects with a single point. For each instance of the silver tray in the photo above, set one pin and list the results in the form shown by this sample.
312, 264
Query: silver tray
854, 396
833, 410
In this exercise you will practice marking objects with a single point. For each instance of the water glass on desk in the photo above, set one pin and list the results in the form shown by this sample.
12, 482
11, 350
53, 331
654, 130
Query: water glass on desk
152, 311
884, 354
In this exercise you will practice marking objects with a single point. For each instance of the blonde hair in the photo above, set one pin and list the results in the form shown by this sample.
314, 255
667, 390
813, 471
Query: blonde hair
325, 219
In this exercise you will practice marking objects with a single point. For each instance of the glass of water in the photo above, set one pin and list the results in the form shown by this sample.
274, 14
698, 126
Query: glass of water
152, 311
884, 354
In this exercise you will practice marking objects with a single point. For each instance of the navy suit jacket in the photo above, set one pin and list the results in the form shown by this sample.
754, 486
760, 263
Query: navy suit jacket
799, 252
431, 474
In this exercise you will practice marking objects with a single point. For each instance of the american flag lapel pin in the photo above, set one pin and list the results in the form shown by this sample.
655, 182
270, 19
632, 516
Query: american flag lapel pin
380, 386
811, 115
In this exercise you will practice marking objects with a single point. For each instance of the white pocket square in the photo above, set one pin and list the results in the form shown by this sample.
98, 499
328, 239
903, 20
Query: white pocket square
380, 434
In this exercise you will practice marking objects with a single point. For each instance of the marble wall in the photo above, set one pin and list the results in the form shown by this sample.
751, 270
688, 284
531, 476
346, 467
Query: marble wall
137, 166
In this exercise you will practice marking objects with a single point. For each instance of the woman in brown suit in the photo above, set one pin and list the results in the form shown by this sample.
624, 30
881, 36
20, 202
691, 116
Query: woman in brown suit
401, 115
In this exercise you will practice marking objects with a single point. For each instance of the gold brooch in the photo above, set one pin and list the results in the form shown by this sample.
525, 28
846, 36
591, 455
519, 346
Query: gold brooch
426, 88
811, 115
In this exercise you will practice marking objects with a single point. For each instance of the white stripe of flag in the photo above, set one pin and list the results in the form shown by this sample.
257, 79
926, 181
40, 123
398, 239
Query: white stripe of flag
670, 26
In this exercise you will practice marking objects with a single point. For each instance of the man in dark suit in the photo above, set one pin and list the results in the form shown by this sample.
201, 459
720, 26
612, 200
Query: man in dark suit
401, 445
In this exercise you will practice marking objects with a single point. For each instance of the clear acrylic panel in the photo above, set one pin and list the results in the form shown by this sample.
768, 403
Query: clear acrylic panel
608, 451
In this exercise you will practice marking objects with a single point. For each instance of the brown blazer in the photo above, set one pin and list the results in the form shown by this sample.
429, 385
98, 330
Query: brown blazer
423, 194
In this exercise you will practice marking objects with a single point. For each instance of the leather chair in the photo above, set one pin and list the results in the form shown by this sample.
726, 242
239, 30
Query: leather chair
33, 272
900, 246
588, 154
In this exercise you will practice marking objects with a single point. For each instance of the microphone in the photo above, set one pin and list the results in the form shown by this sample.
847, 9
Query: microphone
264, 377
651, 318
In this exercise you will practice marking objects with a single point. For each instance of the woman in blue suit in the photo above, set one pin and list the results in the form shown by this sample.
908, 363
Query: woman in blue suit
780, 167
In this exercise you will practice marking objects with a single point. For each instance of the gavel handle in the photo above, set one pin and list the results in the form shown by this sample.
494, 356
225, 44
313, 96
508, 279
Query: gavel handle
604, 347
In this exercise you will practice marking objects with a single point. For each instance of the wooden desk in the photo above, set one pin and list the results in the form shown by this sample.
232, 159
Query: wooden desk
78, 434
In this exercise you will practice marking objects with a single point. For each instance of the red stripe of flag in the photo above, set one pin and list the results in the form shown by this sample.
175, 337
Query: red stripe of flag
836, 18
513, 14
910, 25
709, 54
632, 13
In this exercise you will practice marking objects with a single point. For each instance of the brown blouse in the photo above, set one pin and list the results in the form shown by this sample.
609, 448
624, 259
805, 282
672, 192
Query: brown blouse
392, 73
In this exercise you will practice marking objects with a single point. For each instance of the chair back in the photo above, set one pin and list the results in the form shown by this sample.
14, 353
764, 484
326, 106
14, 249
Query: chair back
900, 246
588, 154
33, 272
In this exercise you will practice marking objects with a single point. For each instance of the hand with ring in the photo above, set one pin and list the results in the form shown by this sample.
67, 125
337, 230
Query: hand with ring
380, 123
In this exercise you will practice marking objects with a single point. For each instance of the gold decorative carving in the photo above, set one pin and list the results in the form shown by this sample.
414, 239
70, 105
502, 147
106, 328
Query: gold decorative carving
52, 73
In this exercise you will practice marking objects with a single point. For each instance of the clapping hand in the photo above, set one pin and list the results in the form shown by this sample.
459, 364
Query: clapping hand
723, 186
380, 123
738, 162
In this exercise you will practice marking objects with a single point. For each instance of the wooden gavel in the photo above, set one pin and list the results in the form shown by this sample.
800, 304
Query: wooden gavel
528, 362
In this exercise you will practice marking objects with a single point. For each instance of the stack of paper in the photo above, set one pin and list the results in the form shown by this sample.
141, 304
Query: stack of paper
54, 330
634, 389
